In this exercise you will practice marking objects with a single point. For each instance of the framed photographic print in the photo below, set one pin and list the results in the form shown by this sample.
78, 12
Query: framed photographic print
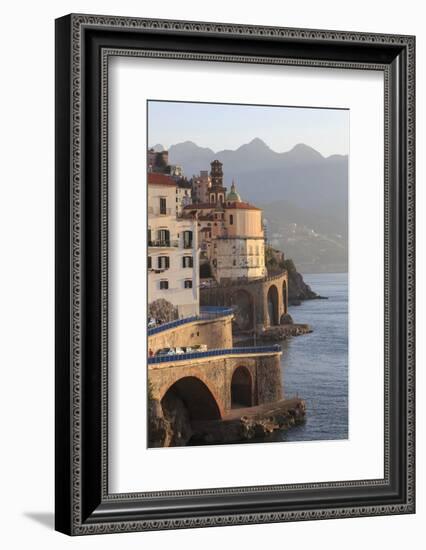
234, 274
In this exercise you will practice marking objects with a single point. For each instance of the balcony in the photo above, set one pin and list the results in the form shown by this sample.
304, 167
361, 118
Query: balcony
159, 211
163, 244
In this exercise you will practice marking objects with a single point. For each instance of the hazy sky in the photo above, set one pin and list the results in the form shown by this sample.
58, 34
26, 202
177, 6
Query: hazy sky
228, 126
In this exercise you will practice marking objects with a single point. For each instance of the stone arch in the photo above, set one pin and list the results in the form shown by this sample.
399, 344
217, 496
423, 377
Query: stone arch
242, 300
285, 297
241, 388
273, 305
195, 396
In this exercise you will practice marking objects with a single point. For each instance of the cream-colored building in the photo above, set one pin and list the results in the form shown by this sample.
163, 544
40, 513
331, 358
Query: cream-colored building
231, 237
239, 258
173, 256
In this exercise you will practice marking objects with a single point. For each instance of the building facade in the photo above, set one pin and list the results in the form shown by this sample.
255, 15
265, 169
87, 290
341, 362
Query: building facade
183, 196
173, 256
157, 161
230, 232
200, 187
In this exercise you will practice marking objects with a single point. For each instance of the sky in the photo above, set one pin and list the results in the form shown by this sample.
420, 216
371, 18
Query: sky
228, 126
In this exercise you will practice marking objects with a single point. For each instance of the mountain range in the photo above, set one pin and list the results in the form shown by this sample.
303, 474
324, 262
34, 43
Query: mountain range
304, 196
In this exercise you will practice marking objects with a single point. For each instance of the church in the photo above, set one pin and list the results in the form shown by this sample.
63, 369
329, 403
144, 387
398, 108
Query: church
230, 231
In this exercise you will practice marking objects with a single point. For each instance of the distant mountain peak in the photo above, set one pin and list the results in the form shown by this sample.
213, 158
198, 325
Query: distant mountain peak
258, 141
187, 143
304, 152
255, 143
188, 146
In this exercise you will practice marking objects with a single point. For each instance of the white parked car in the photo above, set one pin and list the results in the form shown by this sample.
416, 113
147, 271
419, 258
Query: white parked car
166, 351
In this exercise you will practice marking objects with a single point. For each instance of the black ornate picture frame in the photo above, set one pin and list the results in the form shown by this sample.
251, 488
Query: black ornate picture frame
84, 44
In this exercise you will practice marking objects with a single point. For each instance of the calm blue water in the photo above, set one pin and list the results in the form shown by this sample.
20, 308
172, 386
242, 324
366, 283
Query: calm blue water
315, 366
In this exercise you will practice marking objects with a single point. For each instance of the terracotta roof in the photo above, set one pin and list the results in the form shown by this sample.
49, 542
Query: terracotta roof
199, 206
160, 179
232, 205
241, 206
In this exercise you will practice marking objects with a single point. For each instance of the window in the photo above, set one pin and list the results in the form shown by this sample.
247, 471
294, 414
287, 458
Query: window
188, 283
231, 220
164, 285
234, 262
149, 262
164, 237
163, 262
163, 206
187, 239
149, 236
187, 261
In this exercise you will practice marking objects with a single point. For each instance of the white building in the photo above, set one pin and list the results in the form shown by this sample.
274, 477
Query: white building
173, 263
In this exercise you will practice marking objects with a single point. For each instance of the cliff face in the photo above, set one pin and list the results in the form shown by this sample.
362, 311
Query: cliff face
298, 290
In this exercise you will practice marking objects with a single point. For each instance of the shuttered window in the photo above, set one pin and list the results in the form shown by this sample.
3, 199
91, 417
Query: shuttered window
163, 262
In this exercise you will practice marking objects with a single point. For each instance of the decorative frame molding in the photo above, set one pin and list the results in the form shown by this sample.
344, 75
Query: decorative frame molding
84, 43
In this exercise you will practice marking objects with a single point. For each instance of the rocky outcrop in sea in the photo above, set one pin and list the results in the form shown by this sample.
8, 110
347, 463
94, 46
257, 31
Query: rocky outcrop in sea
298, 290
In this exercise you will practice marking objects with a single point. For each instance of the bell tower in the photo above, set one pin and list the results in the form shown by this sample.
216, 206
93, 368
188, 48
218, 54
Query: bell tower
217, 191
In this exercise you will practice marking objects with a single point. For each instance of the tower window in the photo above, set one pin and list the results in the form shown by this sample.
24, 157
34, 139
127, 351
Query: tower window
231, 220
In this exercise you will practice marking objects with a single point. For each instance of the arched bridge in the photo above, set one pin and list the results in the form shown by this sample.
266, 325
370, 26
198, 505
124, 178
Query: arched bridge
257, 303
211, 383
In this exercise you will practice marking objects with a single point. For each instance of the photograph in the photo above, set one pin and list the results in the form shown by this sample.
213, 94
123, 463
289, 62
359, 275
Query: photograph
234, 273
247, 273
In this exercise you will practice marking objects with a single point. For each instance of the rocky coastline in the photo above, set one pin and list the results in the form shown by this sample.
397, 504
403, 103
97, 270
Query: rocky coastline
298, 290
239, 425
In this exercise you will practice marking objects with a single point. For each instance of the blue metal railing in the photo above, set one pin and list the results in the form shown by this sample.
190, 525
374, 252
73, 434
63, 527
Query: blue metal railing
206, 313
213, 353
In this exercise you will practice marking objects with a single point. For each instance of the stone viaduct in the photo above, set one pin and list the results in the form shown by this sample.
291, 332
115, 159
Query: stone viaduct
210, 386
258, 303
212, 382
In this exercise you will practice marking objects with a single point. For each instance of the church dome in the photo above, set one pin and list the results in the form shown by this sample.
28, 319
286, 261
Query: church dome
233, 196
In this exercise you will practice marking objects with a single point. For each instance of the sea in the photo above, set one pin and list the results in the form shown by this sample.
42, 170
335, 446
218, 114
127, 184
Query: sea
315, 366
